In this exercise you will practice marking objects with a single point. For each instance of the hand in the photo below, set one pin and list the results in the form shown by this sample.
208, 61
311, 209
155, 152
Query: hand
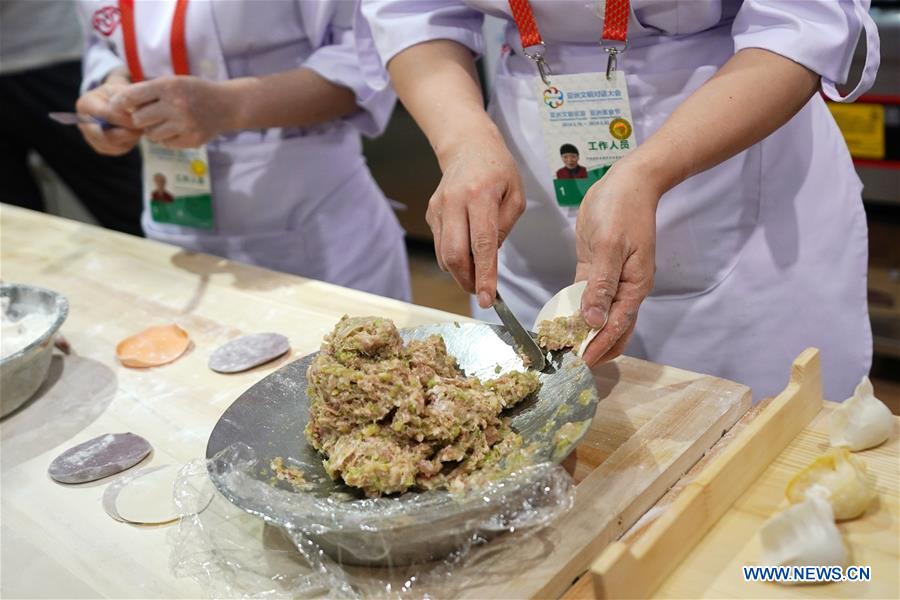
179, 111
616, 244
472, 211
116, 140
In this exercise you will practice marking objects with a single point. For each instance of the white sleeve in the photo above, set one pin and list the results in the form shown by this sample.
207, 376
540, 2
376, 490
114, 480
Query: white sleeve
98, 59
387, 27
337, 59
821, 35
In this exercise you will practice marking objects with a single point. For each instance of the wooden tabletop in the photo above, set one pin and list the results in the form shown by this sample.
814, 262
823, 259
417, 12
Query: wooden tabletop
713, 568
57, 540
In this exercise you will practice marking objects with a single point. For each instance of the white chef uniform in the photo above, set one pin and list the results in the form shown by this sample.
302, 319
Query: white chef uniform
757, 258
299, 200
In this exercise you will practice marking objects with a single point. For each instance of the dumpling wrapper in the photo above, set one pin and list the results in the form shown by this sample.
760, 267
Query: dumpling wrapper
840, 477
153, 346
566, 303
803, 534
100, 457
861, 421
248, 351
147, 498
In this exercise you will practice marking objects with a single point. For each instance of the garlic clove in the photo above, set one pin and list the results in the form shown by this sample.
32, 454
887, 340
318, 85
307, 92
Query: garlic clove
804, 534
862, 421
838, 475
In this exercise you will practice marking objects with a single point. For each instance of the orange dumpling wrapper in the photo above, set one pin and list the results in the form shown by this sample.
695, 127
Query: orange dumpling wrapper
153, 346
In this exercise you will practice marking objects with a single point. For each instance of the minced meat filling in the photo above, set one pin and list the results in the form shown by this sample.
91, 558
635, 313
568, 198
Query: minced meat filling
563, 332
390, 417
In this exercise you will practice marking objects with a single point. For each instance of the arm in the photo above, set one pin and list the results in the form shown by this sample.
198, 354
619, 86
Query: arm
276, 100
186, 111
616, 225
480, 195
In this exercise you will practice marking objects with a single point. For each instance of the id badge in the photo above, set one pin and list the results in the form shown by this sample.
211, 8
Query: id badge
176, 185
587, 125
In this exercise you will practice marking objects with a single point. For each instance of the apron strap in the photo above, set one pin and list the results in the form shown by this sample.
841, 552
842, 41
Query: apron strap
873, 60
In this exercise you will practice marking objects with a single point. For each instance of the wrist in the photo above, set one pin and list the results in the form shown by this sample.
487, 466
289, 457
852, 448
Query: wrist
659, 163
118, 75
235, 102
477, 130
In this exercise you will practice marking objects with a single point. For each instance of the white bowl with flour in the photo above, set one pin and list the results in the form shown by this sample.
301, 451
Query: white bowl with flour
29, 319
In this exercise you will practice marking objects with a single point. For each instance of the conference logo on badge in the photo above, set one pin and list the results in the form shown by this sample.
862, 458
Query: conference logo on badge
553, 97
105, 20
198, 167
620, 129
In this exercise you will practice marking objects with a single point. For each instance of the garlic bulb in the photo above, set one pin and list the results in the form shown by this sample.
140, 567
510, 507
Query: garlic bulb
843, 479
862, 421
803, 534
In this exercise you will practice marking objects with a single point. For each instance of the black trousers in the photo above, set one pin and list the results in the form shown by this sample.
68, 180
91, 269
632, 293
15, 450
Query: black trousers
109, 186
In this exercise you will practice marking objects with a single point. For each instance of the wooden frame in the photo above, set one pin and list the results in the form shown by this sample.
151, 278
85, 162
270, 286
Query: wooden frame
637, 571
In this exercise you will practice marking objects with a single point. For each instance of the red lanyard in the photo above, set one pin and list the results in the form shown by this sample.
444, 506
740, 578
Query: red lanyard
615, 22
178, 42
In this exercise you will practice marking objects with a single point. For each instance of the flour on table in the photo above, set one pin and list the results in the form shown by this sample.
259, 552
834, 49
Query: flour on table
100, 457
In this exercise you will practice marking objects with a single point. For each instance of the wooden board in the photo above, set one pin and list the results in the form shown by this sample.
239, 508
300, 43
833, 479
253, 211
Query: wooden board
661, 544
642, 440
713, 568
653, 424
636, 570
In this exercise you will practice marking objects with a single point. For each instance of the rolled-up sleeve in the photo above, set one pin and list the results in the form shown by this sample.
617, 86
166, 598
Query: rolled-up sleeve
821, 35
98, 59
337, 58
388, 27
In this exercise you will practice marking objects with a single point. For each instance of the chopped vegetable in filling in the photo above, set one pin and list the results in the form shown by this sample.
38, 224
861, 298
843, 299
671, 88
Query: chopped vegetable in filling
563, 332
292, 475
390, 417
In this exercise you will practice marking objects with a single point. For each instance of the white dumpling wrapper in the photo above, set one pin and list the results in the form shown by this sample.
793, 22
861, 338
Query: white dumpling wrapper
862, 421
566, 303
803, 534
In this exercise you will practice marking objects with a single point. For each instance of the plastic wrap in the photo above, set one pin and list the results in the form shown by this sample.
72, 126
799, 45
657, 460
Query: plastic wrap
296, 543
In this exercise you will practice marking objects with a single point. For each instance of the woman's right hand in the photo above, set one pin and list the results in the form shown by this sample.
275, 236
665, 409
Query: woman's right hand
478, 201
120, 138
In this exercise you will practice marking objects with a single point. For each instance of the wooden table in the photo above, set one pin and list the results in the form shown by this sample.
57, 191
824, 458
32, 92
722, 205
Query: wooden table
56, 540
713, 568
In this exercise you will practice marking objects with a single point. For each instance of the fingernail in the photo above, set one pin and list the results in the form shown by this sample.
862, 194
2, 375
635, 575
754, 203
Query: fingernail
595, 317
484, 300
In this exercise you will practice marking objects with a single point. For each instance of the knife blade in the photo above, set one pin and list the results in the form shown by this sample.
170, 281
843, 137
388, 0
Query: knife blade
524, 342
71, 118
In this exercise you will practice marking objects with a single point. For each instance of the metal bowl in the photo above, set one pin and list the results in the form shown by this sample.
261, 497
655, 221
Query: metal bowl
269, 418
22, 373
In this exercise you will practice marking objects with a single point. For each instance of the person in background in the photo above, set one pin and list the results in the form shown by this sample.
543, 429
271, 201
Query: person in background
736, 225
258, 110
571, 169
40, 72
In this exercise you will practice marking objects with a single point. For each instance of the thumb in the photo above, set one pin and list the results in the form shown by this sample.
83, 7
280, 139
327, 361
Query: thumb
602, 284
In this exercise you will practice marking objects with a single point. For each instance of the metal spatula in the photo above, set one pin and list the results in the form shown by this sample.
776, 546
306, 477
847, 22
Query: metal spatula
523, 339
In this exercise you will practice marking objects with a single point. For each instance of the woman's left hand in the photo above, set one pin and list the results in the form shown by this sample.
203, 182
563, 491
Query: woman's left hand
179, 111
616, 244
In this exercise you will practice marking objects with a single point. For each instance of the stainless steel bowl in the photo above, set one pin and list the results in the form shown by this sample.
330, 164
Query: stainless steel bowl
22, 373
268, 421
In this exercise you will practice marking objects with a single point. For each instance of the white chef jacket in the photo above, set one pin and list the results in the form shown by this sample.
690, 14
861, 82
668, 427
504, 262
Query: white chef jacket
757, 258
299, 200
